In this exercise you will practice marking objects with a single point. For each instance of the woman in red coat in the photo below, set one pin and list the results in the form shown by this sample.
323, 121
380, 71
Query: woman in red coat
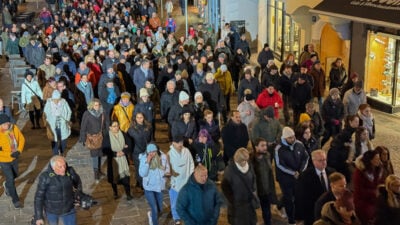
366, 178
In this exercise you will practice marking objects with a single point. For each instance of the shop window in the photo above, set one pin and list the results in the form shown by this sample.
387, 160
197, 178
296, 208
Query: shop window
382, 72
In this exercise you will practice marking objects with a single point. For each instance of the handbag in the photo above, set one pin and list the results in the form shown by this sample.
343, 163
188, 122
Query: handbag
38, 101
94, 141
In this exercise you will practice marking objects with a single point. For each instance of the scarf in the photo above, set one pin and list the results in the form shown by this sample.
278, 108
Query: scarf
111, 95
117, 144
367, 122
13, 141
243, 169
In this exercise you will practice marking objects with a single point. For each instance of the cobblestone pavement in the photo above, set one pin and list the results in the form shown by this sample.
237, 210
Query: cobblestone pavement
109, 211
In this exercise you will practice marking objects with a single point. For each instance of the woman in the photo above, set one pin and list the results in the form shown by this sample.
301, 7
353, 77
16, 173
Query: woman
238, 186
93, 122
199, 106
140, 131
83, 95
366, 178
30, 98
340, 147
388, 208
360, 144
108, 96
58, 116
387, 166
337, 75
305, 136
115, 146
291, 62
206, 153
154, 167
185, 127
367, 119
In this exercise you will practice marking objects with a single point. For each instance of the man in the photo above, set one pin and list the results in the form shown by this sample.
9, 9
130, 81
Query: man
299, 96
318, 76
66, 61
244, 45
199, 201
48, 68
353, 98
142, 74
270, 97
182, 167
337, 184
268, 128
168, 98
264, 178
285, 83
110, 60
12, 143
176, 110
339, 212
212, 94
311, 185
55, 193
291, 159
234, 136
264, 56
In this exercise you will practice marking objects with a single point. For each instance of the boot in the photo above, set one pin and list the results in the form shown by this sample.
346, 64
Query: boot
126, 182
115, 191
96, 176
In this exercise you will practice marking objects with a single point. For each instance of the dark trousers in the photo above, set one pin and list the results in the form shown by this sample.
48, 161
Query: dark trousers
10, 171
34, 117
265, 202
286, 106
330, 131
136, 161
124, 182
288, 191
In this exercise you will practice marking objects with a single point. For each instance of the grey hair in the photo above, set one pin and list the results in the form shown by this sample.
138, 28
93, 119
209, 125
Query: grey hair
55, 159
171, 82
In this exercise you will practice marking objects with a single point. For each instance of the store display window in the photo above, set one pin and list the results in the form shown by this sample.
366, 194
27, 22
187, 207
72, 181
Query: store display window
382, 73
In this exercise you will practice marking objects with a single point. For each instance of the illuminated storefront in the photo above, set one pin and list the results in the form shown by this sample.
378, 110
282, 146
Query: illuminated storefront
375, 46
283, 33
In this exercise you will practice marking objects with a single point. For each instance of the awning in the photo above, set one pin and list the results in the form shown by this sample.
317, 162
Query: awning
375, 12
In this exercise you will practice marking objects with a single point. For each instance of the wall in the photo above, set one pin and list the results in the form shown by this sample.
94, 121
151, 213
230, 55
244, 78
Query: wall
242, 10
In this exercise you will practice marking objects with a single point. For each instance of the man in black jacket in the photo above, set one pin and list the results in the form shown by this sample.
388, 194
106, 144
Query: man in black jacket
55, 193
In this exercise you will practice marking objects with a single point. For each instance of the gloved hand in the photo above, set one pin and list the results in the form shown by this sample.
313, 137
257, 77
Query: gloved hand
335, 122
15, 154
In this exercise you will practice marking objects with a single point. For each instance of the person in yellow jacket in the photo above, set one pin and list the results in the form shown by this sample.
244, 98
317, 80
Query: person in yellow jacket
12, 143
123, 112
224, 80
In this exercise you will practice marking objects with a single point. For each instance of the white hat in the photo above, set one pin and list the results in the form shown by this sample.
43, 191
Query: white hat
143, 92
197, 94
287, 132
183, 96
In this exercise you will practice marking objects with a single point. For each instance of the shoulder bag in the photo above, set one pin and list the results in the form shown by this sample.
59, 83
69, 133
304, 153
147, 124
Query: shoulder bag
94, 141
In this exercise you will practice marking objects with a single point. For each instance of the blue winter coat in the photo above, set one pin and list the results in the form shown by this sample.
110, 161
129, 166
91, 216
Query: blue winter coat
199, 204
153, 179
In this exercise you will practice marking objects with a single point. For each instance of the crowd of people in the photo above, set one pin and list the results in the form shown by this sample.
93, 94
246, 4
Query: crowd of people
114, 70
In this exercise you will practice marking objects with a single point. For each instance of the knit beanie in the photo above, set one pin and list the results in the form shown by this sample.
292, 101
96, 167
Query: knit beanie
287, 132
183, 96
304, 117
151, 148
4, 119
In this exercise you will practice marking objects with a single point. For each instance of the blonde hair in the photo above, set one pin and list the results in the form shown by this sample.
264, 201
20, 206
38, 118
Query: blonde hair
91, 103
241, 155
391, 198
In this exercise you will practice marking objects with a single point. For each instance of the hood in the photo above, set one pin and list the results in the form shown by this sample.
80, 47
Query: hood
359, 163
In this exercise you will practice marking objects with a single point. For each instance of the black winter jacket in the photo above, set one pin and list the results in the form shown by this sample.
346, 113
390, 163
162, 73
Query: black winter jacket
55, 194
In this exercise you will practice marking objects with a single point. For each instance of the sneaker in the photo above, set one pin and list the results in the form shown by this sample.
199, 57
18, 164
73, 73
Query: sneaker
178, 222
283, 213
5, 189
18, 205
149, 217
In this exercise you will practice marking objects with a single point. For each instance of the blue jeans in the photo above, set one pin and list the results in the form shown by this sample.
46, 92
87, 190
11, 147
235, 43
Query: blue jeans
173, 196
10, 171
59, 144
67, 219
155, 200
265, 202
